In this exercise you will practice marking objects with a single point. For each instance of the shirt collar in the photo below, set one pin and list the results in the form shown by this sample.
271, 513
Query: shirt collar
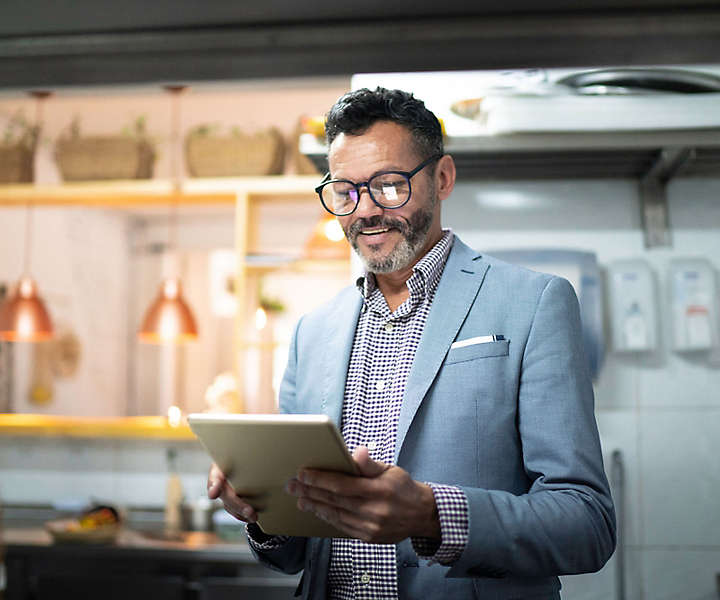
426, 273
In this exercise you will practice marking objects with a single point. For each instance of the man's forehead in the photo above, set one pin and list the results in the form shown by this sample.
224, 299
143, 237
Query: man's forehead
384, 141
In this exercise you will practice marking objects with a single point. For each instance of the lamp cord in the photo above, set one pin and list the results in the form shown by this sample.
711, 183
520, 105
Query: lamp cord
39, 105
175, 124
28, 239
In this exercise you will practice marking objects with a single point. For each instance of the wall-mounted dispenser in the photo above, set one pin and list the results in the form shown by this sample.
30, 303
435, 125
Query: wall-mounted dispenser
694, 304
633, 306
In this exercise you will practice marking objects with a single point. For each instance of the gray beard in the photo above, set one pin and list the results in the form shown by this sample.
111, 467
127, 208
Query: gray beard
414, 235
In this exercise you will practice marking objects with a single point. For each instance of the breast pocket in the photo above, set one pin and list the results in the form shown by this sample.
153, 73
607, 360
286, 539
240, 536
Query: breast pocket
475, 351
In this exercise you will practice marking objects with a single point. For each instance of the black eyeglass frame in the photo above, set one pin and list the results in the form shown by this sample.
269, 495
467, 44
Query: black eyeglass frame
407, 174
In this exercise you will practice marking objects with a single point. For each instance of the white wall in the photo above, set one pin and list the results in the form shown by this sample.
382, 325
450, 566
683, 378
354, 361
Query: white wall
663, 411
80, 263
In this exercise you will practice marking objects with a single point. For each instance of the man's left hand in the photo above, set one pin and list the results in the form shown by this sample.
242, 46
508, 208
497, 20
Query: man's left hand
383, 505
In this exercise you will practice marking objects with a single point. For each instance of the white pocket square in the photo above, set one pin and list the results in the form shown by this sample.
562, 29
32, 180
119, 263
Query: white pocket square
483, 339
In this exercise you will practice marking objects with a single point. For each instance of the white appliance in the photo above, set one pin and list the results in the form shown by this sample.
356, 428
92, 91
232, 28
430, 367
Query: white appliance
633, 306
694, 305
562, 100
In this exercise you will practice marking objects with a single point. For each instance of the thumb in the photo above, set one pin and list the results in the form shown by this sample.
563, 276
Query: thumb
368, 467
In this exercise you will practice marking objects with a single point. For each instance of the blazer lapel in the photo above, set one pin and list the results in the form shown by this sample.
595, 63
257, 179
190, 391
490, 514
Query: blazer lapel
459, 285
336, 351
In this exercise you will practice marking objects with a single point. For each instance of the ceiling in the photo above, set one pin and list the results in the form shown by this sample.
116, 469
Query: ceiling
51, 43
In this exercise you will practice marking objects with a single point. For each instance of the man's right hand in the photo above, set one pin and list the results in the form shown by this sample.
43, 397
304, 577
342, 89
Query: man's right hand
219, 487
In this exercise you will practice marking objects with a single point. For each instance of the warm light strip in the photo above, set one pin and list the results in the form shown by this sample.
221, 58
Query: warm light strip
92, 427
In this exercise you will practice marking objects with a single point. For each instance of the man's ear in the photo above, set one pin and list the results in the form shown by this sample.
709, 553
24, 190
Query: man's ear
445, 176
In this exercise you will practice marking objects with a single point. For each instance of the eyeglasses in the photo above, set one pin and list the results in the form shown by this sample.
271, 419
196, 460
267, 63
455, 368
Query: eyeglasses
387, 189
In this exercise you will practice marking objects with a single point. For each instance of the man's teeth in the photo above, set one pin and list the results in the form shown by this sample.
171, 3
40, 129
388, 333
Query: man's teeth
374, 231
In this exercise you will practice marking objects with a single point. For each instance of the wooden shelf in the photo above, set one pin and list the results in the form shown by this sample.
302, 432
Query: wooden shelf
92, 427
118, 194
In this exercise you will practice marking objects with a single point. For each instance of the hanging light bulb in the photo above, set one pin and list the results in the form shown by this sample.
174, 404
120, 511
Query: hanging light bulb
23, 316
169, 318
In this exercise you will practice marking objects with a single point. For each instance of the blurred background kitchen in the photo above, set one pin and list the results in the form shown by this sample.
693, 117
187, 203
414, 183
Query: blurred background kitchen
184, 144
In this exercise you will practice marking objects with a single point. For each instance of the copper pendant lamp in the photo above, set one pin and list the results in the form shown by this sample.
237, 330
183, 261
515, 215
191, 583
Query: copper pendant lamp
169, 318
23, 316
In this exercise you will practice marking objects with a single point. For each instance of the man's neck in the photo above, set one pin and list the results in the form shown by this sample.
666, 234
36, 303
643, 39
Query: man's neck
394, 286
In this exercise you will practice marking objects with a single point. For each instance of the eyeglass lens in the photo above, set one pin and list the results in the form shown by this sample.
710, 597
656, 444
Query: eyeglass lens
389, 190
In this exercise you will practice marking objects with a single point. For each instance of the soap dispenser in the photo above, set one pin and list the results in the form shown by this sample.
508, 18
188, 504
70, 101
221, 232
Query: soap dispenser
173, 495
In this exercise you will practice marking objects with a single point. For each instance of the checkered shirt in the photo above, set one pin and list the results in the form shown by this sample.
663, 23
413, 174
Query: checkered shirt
382, 355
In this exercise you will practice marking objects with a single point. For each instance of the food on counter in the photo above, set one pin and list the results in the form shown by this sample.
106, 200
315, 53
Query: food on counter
99, 524
98, 517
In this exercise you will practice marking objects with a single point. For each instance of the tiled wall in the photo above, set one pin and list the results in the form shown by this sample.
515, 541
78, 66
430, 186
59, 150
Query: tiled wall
44, 470
661, 411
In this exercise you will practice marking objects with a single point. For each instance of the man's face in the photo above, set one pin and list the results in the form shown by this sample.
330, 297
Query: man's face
386, 240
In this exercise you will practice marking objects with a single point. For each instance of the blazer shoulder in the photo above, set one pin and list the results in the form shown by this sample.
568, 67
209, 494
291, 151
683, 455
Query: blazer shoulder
515, 275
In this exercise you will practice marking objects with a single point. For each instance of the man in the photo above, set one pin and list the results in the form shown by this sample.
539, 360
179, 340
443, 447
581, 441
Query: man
460, 385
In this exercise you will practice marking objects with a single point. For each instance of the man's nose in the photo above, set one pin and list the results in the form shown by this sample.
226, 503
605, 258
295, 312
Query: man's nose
366, 207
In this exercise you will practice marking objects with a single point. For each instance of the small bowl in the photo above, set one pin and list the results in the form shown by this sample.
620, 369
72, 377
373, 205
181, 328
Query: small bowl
68, 531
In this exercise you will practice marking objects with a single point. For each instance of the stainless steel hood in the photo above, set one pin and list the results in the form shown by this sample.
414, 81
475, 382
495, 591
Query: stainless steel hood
583, 155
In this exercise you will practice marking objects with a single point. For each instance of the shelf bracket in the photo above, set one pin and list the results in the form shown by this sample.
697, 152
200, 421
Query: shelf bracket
653, 194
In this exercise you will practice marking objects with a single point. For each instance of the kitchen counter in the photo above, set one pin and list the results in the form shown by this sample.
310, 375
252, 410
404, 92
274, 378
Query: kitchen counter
188, 545
138, 565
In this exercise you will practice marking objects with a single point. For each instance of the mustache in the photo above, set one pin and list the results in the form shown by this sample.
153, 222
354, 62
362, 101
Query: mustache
377, 222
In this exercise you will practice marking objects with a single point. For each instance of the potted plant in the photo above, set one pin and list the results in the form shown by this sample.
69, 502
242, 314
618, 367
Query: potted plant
17, 150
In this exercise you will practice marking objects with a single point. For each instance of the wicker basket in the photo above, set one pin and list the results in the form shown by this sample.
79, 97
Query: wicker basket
234, 155
104, 157
16, 163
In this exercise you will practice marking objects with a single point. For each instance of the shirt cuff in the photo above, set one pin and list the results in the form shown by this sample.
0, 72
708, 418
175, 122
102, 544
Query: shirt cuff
261, 541
452, 507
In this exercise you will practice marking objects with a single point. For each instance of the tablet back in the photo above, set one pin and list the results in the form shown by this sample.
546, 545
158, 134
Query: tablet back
260, 453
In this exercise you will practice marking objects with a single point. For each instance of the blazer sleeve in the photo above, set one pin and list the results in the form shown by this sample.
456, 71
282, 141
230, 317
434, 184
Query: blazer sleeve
290, 556
565, 523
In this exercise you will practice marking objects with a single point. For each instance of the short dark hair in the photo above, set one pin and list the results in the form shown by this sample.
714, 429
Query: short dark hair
355, 112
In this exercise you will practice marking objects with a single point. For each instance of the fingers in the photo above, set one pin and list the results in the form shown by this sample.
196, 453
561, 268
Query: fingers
349, 485
215, 482
368, 467
352, 522
238, 507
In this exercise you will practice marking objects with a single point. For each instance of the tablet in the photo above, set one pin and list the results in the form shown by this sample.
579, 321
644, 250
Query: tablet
259, 454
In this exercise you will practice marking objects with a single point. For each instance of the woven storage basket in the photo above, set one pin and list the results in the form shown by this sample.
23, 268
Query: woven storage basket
234, 155
104, 157
16, 164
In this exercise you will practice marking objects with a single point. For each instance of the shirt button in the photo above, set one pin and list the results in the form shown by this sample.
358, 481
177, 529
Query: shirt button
389, 326
380, 386
372, 445
365, 578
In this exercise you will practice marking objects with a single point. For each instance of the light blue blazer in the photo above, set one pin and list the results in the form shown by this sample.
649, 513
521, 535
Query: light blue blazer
511, 422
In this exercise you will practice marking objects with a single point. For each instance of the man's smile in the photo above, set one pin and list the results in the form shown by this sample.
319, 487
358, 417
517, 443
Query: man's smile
376, 231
